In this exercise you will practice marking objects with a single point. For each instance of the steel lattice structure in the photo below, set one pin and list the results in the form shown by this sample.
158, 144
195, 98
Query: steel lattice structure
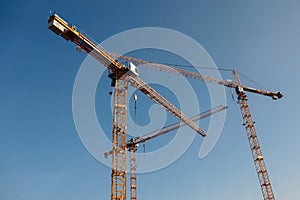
257, 155
122, 76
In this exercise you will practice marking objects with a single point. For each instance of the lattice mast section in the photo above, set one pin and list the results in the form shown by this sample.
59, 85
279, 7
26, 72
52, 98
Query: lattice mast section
257, 155
118, 175
133, 182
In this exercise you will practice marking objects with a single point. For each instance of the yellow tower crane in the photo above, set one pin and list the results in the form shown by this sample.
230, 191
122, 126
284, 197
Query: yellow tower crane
121, 76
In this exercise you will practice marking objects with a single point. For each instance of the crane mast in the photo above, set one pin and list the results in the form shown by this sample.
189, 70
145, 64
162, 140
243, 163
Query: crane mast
118, 175
257, 155
133, 166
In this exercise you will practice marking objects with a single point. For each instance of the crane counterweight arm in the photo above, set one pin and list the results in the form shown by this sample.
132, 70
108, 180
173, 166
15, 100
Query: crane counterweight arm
62, 28
155, 96
194, 75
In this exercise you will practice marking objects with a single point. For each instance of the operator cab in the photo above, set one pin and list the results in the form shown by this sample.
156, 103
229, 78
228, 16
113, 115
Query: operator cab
132, 69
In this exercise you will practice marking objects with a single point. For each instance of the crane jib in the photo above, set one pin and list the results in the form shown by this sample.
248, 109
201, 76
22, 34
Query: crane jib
194, 75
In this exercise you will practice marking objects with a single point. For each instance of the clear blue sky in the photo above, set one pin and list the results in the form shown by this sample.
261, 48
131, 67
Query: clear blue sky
42, 157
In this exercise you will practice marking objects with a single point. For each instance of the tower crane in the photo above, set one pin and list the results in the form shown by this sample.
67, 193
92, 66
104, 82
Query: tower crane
132, 144
121, 76
240, 89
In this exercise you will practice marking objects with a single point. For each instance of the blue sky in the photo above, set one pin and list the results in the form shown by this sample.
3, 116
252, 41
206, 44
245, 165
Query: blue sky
41, 154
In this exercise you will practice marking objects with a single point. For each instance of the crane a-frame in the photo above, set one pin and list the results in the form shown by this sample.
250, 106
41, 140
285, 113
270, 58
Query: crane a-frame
123, 76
